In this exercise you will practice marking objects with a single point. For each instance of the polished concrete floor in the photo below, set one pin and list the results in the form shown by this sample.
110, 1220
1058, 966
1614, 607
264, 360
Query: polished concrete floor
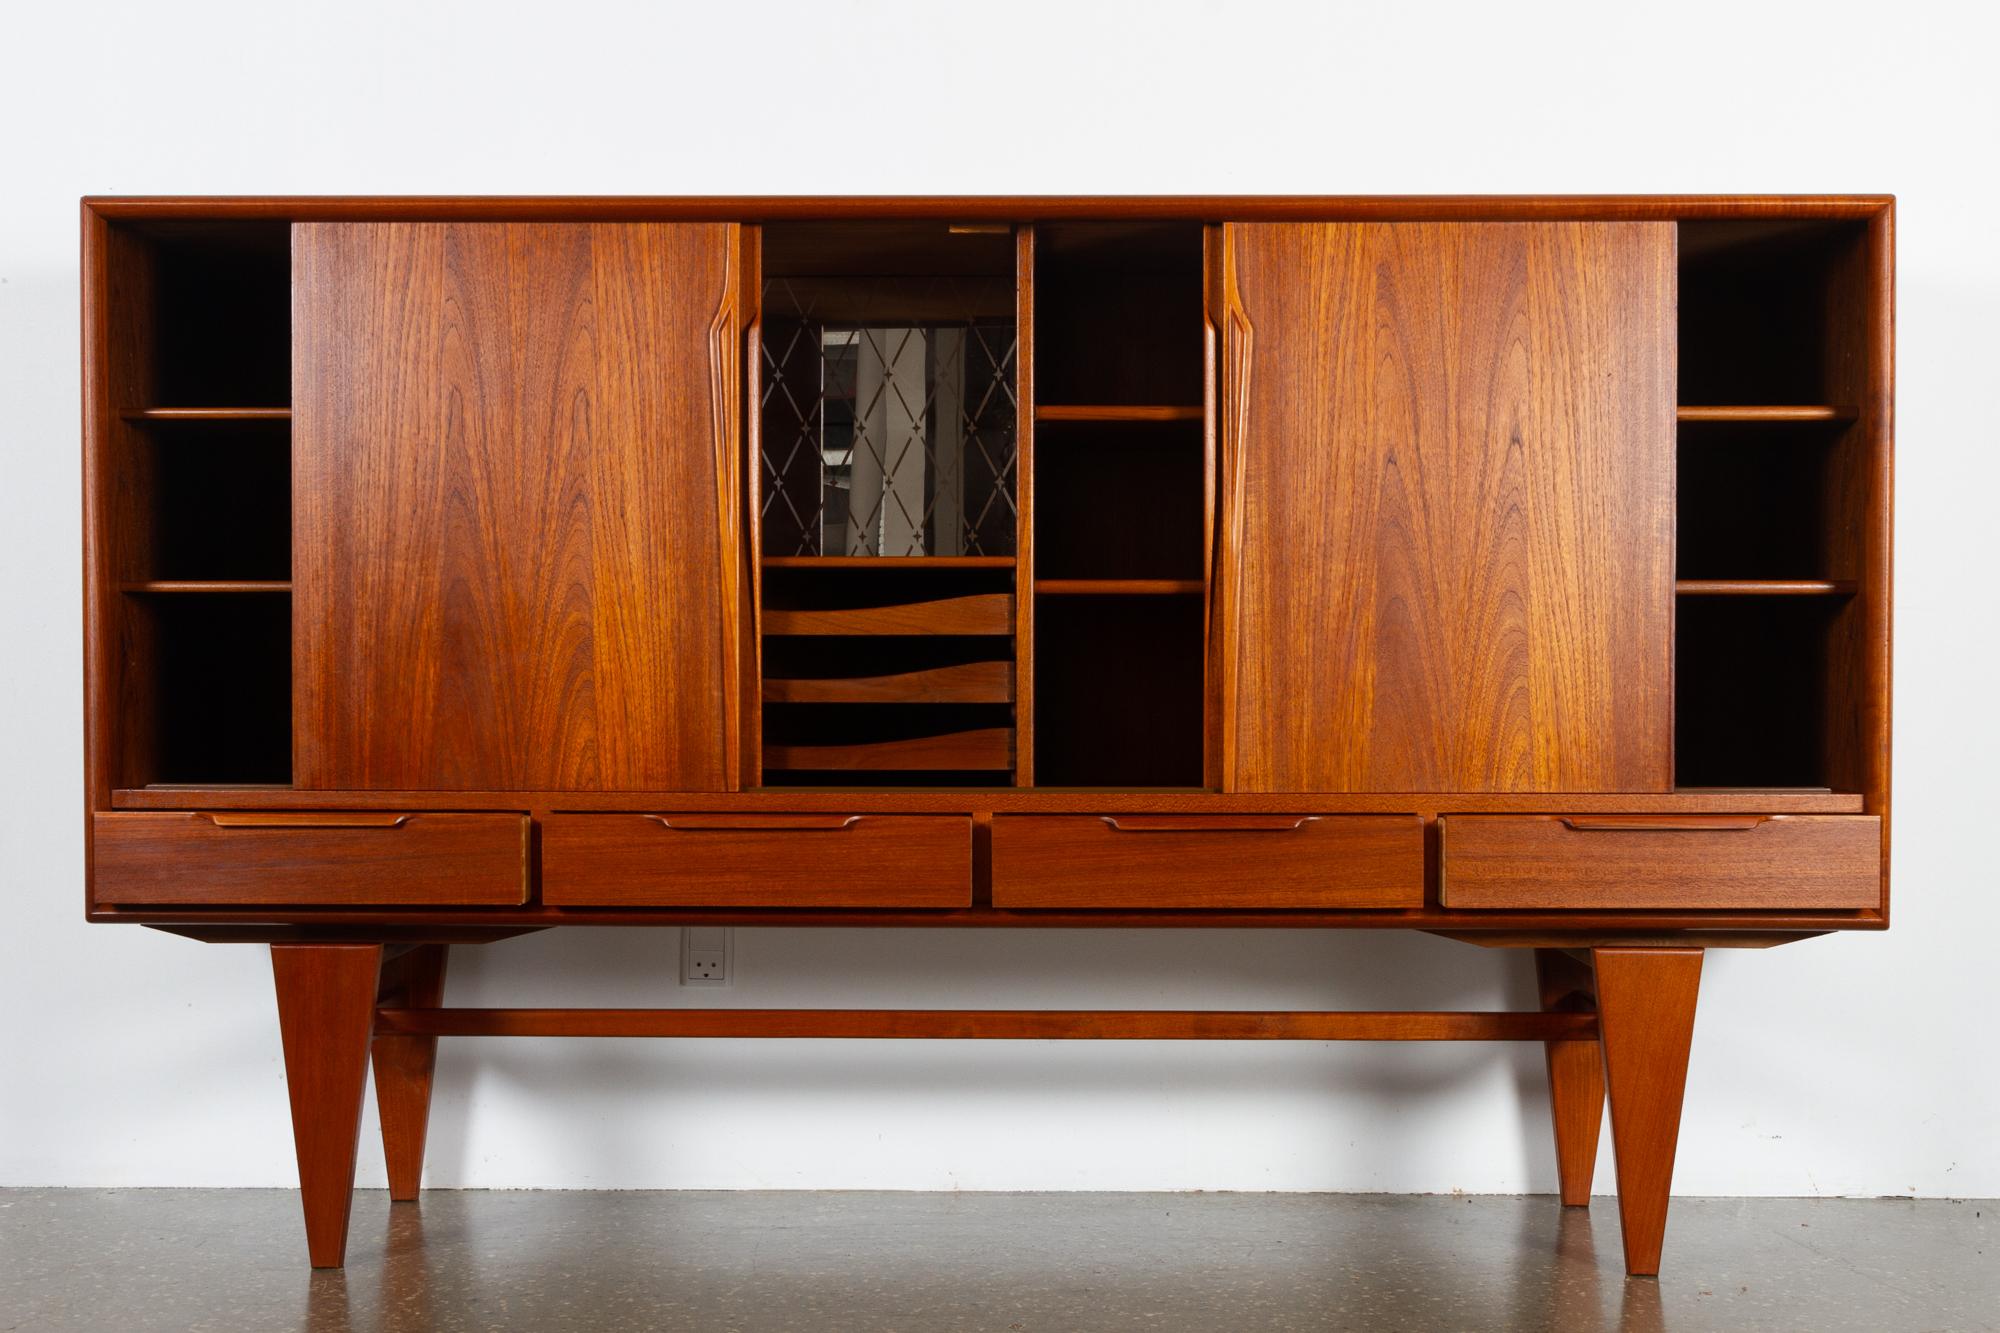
132, 1260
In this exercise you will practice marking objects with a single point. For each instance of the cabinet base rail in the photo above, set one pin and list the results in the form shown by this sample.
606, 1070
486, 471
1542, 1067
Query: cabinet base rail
1615, 1023
992, 1024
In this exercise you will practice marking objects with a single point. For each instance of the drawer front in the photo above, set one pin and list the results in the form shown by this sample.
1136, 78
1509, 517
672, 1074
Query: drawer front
1607, 862
1138, 862
316, 859
697, 860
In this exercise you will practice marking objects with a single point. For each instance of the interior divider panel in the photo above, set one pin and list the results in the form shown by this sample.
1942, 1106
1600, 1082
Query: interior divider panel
694, 859
310, 858
1610, 862
1208, 861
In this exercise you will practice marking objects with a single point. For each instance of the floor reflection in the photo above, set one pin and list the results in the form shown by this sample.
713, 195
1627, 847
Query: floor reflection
751, 1261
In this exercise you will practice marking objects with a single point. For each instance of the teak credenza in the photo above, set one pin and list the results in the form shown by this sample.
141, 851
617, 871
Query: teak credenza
1514, 569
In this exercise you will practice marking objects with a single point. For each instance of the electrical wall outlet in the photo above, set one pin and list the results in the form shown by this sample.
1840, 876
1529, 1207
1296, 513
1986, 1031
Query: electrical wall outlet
707, 953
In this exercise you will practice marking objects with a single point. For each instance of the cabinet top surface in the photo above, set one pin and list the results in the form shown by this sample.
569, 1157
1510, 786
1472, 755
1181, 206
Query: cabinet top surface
1201, 207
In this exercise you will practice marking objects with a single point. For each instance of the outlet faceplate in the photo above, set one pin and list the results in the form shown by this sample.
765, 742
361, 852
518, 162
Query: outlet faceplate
707, 955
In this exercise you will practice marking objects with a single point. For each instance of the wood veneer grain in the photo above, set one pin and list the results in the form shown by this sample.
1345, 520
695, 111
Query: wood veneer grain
510, 451
1207, 861
428, 859
907, 861
1616, 862
1449, 452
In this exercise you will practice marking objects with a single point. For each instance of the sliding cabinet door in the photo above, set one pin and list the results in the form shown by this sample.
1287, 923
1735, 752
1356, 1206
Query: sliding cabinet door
516, 543
1447, 507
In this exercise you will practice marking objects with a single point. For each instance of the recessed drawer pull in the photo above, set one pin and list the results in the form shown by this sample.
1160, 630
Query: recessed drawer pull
311, 858
1191, 861
1207, 823
1686, 824
758, 823
304, 819
743, 858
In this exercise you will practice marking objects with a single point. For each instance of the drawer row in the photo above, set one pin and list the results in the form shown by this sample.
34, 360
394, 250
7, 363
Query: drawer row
1126, 862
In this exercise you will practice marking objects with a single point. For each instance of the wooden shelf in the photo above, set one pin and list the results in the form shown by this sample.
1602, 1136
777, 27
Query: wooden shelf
964, 683
1116, 412
1798, 412
207, 586
887, 562
990, 749
1765, 587
210, 414
1119, 587
982, 613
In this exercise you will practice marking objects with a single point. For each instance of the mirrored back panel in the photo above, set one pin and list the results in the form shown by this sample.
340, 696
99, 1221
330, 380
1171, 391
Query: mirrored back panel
888, 412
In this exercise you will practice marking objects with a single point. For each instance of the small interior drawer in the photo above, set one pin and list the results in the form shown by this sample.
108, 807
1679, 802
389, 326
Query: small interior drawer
1140, 862
756, 860
310, 859
1606, 862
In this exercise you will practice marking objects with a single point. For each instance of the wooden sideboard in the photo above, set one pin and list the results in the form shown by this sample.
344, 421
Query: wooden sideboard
1513, 569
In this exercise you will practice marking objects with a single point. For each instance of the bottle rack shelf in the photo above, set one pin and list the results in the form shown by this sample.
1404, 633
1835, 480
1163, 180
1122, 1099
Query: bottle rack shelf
889, 446
978, 614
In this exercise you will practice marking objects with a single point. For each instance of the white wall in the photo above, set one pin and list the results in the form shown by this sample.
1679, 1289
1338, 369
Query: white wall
1856, 1065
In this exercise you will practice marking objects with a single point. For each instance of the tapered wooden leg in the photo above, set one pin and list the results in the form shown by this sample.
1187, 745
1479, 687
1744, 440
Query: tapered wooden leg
1576, 1078
1645, 1008
326, 1012
404, 1066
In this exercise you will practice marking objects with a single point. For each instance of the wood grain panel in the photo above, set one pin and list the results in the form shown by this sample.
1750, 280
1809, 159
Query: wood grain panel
1207, 861
708, 861
1448, 489
413, 860
511, 557
1813, 862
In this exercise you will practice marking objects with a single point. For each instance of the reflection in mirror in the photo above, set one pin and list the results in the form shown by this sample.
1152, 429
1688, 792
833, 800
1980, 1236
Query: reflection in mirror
888, 416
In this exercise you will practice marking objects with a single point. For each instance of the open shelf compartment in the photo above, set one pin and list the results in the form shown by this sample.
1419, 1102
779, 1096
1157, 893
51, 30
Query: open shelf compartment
196, 547
1772, 503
